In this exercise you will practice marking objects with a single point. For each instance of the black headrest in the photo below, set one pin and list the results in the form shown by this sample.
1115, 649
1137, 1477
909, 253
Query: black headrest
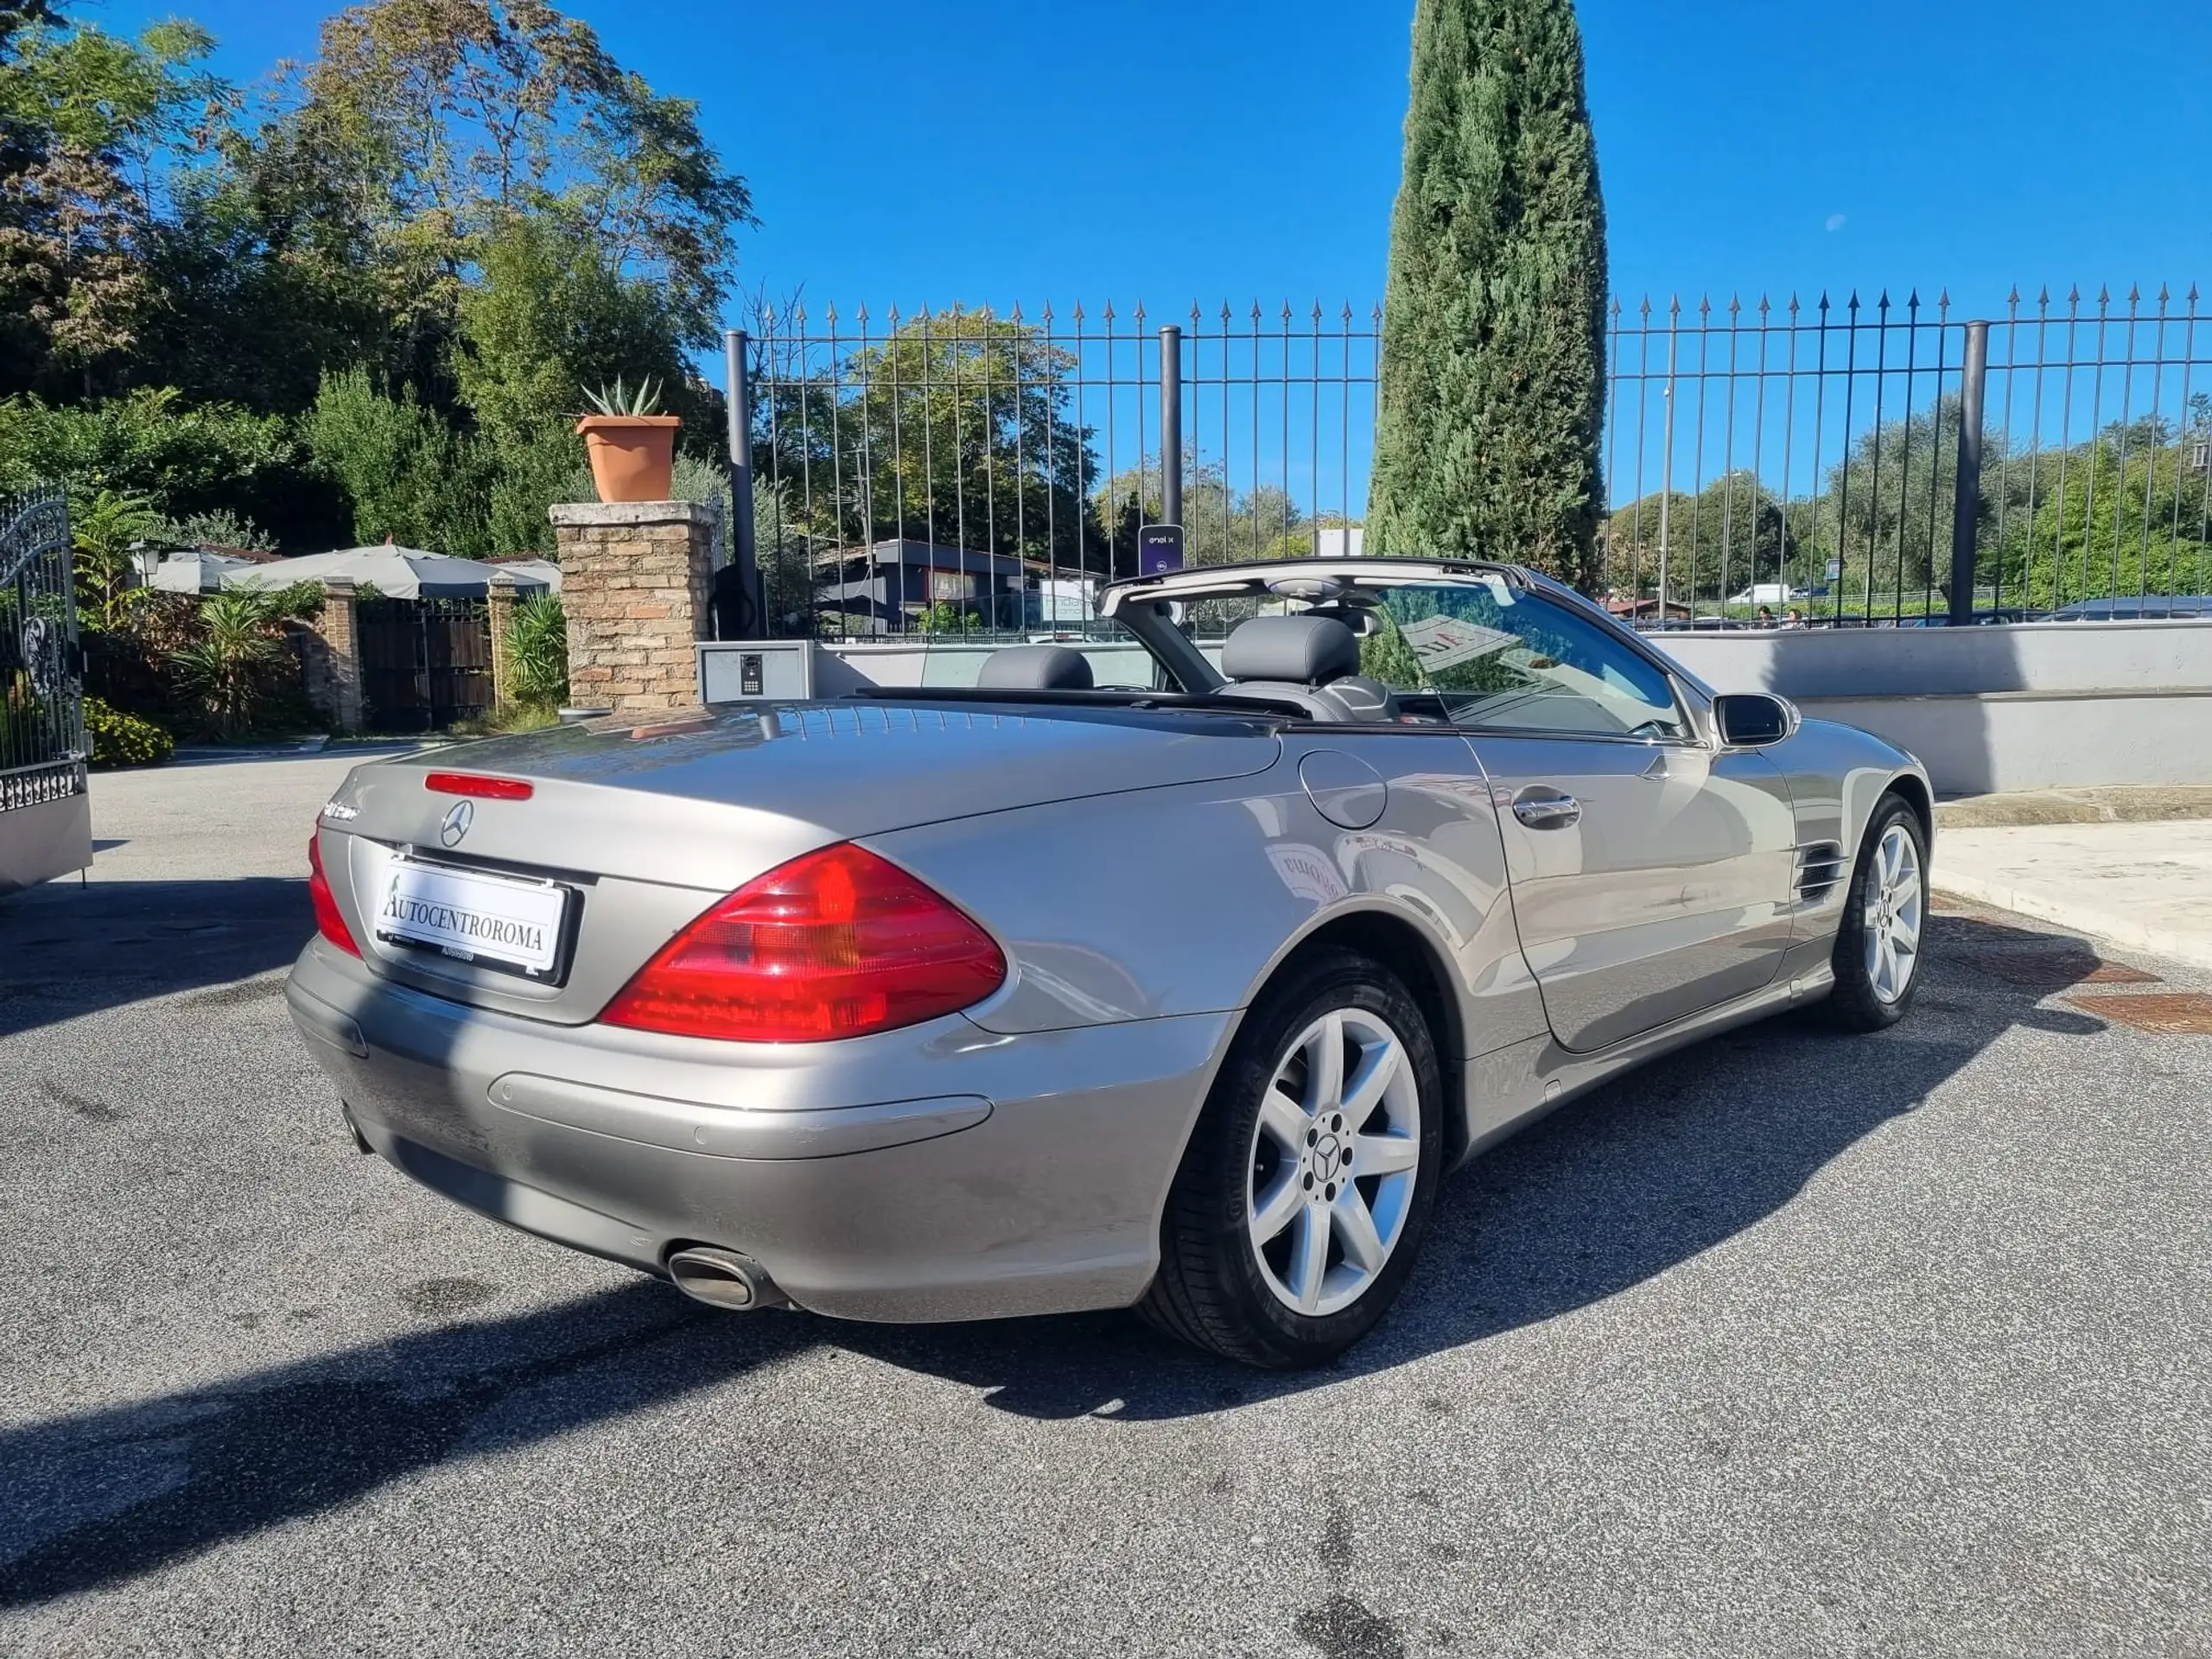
1307, 650
1036, 668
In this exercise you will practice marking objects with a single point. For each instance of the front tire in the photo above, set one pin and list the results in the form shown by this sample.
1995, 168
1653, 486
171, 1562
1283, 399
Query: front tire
1304, 1194
1880, 941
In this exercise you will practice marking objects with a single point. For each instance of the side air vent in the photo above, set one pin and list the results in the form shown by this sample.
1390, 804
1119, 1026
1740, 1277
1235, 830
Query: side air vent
1819, 866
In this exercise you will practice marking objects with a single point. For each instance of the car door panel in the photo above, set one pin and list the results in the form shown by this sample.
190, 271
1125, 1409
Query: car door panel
1665, 894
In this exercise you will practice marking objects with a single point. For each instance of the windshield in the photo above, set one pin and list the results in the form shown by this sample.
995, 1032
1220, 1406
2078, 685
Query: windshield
1495, 655
1472, 649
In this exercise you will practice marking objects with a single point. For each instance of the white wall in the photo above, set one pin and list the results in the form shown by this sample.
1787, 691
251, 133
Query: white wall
925, 661
2026, 706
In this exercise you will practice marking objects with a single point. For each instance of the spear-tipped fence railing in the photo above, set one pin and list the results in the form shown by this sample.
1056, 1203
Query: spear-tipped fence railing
960, 470
1887, 463
1855, 461
43, 748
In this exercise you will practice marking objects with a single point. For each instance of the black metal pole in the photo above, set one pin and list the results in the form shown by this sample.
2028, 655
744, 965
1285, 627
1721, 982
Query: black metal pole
743, 553
1965, 509
1171, 424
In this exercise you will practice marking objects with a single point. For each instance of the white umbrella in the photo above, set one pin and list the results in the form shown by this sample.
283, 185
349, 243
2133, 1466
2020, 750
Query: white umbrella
529, 572
200, 572
394, 572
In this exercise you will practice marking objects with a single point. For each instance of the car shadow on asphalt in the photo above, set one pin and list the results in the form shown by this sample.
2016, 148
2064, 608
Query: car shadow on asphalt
67, 950
1651, 1171
1638, 1178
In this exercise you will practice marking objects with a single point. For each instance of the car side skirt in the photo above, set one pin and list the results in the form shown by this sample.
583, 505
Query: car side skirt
1508, 1088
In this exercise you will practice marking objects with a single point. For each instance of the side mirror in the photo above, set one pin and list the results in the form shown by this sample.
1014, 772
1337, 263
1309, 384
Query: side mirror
1751, 719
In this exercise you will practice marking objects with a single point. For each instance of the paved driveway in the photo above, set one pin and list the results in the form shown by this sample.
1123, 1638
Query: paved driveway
1790, 1344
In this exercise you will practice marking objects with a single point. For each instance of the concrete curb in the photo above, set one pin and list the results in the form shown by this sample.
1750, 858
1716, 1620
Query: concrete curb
2116, 804
2189, 946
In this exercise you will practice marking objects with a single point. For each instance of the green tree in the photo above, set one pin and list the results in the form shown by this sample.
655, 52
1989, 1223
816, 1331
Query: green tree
1886, 513
551, 316
1221, 523
91, 126
183, 459
952, 429
423, 125
1492, 353
1731, 534
2131, 519
406, 475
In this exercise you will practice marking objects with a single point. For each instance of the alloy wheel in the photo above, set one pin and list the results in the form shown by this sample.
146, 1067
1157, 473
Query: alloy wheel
1335, 1155
1894, 916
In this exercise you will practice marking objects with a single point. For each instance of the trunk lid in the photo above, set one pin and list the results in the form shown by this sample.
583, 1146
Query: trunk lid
643, 833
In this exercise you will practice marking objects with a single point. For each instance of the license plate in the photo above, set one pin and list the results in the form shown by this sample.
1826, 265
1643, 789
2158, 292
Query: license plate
495, 921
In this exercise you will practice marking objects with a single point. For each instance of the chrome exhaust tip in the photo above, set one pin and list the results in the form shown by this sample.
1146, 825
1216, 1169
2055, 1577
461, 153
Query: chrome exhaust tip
724, 1279
361, 1141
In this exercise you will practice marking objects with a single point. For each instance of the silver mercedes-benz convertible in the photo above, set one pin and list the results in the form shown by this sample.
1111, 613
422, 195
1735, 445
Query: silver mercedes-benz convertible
1153, 971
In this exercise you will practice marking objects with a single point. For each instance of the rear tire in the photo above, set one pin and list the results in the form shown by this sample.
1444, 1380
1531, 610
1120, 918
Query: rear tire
1303, 1196
1880, 941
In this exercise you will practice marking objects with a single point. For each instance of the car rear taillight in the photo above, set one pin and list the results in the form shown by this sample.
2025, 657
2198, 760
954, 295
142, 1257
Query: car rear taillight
484, 789
327, 917
837, 943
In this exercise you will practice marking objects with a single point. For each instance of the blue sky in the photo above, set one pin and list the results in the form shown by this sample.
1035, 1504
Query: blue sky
987, 152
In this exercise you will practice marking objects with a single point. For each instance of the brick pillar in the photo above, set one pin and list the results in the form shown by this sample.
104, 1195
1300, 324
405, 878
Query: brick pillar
499, 606
635, 577
340, 629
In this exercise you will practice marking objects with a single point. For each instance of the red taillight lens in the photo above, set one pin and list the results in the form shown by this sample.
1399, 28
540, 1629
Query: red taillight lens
836, 943
327, 917
484, 789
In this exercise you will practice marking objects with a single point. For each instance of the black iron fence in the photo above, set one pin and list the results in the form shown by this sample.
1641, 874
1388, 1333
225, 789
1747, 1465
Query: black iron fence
43, 748
1888, 463
956, 471
1854, 461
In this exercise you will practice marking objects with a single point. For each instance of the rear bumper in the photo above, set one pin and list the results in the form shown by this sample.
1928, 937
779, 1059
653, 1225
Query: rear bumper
939, 1173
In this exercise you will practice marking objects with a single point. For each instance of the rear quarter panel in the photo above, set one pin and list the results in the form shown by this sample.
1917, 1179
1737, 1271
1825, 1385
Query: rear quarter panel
1183, 900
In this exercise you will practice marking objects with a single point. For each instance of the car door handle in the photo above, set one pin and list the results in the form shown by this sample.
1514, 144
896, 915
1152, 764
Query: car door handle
1547, 810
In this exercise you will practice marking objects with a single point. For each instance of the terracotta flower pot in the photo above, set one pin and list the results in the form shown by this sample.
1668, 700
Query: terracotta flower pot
632, 455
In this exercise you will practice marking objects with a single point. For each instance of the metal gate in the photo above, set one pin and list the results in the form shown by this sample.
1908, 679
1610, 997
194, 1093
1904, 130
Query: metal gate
46, 823
425, 664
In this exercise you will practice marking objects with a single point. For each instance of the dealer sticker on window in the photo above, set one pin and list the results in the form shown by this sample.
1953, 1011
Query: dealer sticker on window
497, 921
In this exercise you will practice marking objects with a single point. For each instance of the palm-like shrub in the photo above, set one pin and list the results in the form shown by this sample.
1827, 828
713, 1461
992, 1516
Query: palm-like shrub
537, 652
102, 528
227, 668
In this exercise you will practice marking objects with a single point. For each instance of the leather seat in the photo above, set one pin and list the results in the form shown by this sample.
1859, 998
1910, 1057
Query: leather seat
1036, 668
1311, 663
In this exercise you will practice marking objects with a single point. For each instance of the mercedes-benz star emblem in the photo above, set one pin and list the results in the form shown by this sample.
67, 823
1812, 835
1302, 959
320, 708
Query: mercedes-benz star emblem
458, 818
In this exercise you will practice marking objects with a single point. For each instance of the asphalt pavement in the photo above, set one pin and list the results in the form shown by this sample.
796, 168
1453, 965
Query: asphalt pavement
1790, 1343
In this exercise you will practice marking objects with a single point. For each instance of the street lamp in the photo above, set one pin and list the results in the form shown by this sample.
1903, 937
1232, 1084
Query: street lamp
146, 557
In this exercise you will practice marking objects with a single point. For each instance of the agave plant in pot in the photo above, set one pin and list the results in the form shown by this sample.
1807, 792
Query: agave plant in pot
632, 447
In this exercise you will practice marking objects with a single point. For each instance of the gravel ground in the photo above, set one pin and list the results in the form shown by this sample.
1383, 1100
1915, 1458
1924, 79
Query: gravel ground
1790, 1343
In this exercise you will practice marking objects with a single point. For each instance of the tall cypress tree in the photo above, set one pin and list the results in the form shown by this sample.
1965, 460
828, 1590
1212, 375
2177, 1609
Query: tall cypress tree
1493, 330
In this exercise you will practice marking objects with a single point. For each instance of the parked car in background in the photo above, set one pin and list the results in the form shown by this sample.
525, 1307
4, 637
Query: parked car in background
1768, 593
2135, 607
1980, 619
1036, 995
